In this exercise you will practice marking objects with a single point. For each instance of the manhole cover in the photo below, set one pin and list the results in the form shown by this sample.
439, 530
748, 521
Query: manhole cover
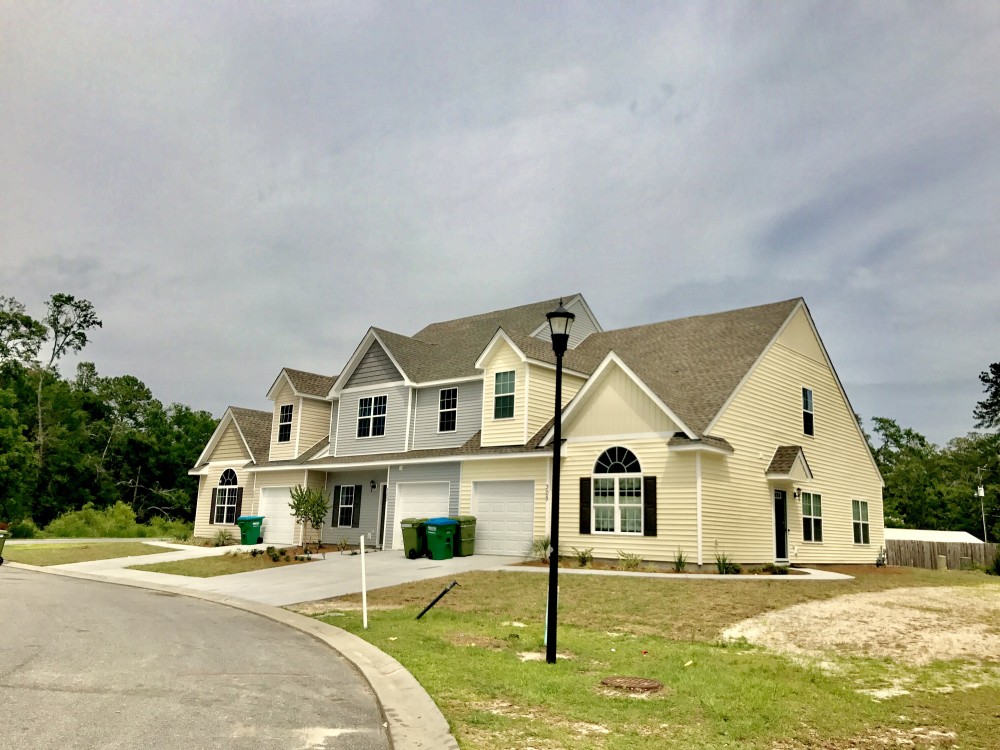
635, 684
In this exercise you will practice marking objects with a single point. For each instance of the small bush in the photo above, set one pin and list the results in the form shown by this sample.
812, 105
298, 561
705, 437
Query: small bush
726, 566
775, 570
628, 561
24, 529
680, 561
539, 549
584, 557
159, 526
223, 538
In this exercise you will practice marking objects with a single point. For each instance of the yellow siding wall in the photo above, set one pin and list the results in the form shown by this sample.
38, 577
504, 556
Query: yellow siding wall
284, 396
512, 468
313, 423
737, 499
799, 336
230, 447
618, 406
504, 431
541, 395
206, 483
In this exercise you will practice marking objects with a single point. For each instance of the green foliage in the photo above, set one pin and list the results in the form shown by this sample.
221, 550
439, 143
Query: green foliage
223, 538
994, 568
24, 529
540, 549
680, 561
584, 557
309, 506
116, 521
775, 570
725, 565
987, 411
628, 561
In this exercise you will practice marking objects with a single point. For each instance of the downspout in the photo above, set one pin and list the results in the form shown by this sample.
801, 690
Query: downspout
409, 417
697, 471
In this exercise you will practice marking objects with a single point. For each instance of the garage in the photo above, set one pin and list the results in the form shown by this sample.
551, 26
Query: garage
418, 500
279, 524
505, 513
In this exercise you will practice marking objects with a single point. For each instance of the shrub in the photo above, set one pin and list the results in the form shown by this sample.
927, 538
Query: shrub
680, 561
116, 520
584, 557
172, 529
628, 561
994, 568
726, 566
539, 549
223, 538
775, 570
24, 529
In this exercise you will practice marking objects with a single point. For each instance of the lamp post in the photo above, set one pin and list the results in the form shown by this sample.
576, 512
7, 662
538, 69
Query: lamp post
560, 321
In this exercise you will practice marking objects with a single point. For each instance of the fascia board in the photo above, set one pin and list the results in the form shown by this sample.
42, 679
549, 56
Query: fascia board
320, 466
448, 381
498, 337
699, 448
274, 385
584, 393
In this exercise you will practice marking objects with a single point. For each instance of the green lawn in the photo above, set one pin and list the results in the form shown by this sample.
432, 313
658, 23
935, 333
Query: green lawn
220, 565
467, 652
62, 554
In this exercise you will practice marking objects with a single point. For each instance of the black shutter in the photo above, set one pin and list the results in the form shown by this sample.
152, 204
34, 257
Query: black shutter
239, 502
584, 505
357, 507
211, 510
649, 506
335, 517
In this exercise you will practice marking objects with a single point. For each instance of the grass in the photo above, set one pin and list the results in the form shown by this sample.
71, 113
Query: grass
220, 565
715, 696
63, 554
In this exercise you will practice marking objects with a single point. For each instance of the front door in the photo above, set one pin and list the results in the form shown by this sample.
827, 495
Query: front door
780, 525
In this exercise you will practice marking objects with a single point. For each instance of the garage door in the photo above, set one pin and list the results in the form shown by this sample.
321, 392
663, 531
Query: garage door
505, 513
418, 500
279, 524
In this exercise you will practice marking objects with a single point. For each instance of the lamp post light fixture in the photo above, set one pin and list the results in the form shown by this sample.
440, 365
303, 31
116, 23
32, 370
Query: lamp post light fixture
560, 321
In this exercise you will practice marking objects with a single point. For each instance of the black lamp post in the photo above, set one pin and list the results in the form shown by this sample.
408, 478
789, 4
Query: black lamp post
560, 321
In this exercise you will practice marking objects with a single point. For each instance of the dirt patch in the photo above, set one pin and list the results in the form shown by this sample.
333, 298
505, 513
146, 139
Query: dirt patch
477, 641
911, 625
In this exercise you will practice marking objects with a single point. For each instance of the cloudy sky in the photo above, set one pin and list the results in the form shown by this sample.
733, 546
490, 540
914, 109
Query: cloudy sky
239, 187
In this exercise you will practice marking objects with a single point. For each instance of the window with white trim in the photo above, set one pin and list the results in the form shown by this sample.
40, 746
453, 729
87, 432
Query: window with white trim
807, 411
345, 516
812, 517
371, 416
448, 410
860, 513
503, 395
617, 493
285, 423
226, 495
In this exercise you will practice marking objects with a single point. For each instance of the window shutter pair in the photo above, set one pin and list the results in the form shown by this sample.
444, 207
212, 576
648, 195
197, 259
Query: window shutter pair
648, 506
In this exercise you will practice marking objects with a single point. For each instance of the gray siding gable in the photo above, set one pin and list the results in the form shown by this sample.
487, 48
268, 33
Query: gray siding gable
394, 440
469, 416
374, 367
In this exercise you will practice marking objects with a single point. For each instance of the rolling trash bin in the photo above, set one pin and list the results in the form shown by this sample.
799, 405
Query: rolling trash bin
414, 537
250, 529
465, 536
441, 538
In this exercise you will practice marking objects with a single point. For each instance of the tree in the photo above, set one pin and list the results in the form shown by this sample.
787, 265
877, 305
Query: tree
310, 506
987, 411
21, 336
17, 462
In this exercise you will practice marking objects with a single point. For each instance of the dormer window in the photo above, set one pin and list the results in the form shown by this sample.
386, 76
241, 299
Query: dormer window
285, 423
807, 411
503, 395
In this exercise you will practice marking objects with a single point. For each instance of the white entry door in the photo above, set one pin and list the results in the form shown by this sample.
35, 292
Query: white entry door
279, 523
418, 500
505, 517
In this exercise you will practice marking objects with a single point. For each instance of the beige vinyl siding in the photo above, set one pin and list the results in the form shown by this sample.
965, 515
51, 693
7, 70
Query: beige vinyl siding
676, 519
230, 446
503, 431
541, 395
798, 335
535, 469
737, 497
284, 396
275, 479
618, 406
313, 423
210, 480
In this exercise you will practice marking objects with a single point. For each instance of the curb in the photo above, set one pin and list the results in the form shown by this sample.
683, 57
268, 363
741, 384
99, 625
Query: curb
413, 720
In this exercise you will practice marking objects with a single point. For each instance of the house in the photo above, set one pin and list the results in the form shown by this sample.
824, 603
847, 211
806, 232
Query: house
726, 433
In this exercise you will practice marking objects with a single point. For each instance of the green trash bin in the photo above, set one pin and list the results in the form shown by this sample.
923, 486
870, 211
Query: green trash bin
3, 538
465, 537
414, 537
441, 538
250, 529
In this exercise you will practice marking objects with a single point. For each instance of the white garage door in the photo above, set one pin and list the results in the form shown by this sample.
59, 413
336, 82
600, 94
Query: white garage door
279, 524
418, 500
504, 514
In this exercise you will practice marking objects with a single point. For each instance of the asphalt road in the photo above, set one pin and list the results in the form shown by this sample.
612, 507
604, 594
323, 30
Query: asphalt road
85, 664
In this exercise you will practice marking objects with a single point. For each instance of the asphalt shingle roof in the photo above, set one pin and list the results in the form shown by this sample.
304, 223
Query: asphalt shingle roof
256, 428
310, 383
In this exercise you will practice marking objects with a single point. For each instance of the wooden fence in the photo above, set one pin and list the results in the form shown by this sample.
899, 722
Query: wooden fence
925, 554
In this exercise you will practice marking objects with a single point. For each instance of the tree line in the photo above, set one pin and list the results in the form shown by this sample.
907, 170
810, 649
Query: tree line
66, 442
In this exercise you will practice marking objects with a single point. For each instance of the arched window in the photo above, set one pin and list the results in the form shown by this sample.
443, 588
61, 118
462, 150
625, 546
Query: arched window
617, 488
226, 499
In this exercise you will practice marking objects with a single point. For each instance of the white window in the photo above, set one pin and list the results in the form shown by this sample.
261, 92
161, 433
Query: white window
448, 410
807, 411
812, 517
285, 423
226, 497
503, 395
345, 516
371, 416
617, 493
860, 509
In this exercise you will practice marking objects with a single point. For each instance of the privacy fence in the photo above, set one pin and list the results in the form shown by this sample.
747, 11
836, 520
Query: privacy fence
925, 554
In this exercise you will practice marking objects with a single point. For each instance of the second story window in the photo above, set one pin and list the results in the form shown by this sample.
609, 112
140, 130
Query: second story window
371, 416
448, 410
503, 396
807, 411
285, 423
